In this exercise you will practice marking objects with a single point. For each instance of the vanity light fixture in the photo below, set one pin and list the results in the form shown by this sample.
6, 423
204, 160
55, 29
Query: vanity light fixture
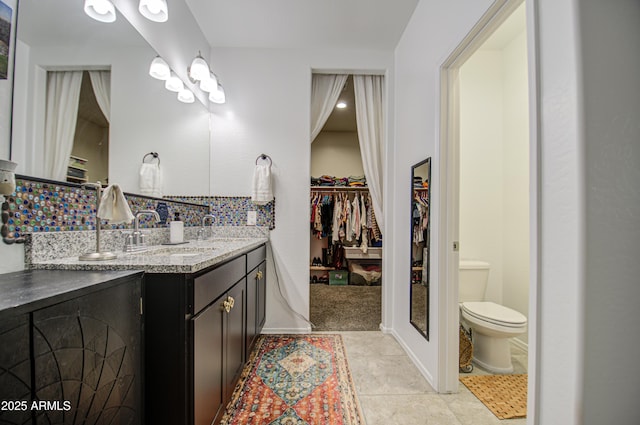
186, 96
217, 95
100, 10
159, 69
154, 10
174, 83
199, 69
209, 84
341, 105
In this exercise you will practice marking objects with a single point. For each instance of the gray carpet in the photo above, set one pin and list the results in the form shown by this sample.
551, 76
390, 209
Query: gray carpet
345, 308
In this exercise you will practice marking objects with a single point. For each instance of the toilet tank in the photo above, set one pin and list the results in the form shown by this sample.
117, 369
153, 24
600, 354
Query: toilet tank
472, 280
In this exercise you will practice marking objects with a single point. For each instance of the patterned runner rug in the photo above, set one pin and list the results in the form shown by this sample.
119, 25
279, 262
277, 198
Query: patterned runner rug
504, 395
295, 380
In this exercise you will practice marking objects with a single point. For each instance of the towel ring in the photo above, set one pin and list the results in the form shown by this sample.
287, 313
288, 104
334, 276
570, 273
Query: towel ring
264, 157
154, 155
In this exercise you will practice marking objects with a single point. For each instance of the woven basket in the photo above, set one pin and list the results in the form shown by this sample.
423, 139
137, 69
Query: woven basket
466, 350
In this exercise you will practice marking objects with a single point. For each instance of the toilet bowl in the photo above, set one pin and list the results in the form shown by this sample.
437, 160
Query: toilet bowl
491, 324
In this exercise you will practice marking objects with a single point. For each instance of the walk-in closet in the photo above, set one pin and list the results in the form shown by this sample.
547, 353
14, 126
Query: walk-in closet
345, 264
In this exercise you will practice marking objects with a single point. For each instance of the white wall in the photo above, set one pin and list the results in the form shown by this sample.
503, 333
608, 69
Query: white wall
494, 170
582, 371
434, 30
268, 111
336, 153
610, 61
481, 165
516, 187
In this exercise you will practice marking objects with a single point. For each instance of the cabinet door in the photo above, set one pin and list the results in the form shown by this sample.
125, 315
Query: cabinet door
235, 340
87, 358
252, 310
261, 301
208, 343
15, 371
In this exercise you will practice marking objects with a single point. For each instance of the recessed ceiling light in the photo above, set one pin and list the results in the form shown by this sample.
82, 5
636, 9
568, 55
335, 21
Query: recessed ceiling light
341, 105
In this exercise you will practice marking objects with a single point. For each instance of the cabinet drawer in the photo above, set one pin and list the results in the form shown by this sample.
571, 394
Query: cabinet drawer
255, 257
210, 286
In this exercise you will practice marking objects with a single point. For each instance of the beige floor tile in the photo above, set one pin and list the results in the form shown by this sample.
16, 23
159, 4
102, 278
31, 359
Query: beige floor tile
422, 409
387, 375
359, 344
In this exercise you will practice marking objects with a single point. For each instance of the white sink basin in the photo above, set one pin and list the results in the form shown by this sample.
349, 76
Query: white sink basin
182, 251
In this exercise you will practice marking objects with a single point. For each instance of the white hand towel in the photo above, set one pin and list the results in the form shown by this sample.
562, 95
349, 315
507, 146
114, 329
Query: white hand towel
150, 180
262, 193
114, 207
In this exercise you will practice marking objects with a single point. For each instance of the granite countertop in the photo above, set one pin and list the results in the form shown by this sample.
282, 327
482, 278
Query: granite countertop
30, 290
190, 257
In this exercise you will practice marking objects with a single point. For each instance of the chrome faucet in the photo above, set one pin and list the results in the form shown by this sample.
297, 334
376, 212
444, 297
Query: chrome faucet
213, 219
135, 241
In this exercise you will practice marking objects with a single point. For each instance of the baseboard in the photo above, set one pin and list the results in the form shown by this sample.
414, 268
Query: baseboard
277, 331
521, 345
414, 359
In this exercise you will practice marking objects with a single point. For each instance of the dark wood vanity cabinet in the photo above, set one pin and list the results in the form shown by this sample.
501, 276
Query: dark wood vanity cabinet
197, 341
74, 357
256, 295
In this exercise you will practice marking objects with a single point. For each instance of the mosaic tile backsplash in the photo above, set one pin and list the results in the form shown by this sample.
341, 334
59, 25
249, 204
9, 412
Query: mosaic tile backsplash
46, 206
232, 210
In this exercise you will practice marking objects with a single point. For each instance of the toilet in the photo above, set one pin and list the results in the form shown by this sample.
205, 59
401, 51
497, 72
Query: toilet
492, 324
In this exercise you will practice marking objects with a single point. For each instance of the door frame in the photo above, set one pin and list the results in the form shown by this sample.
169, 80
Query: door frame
449, 175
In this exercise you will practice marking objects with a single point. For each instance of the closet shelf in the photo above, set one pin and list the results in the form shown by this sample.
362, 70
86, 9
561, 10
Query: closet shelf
338, 188
321, 268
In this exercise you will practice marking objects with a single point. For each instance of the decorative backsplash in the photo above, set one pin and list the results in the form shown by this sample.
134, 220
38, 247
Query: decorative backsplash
232, 210
49, 206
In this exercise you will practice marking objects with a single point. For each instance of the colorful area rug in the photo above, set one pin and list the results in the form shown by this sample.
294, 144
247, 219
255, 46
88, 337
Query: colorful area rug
295, 380
504, 395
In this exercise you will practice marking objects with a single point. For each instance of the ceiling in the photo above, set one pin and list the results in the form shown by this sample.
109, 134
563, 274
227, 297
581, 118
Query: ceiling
358, 24
344, 119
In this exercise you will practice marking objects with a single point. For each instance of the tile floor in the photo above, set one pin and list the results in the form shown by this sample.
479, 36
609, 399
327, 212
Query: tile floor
393, 392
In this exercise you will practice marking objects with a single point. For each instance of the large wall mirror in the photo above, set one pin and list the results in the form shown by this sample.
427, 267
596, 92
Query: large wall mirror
143, 117
420, 235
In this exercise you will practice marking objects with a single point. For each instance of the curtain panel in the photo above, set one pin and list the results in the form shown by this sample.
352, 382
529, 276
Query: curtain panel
101, 82
63, 96
369, 94
325, 90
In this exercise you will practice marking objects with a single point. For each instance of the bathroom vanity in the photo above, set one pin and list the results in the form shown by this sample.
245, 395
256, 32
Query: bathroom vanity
203, 307
71, 347
200, 328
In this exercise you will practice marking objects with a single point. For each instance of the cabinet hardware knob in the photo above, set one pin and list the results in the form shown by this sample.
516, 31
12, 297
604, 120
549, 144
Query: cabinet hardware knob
226, 306
231, 301
259, 275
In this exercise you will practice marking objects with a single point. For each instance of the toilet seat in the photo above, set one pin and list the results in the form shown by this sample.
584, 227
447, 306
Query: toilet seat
495, 314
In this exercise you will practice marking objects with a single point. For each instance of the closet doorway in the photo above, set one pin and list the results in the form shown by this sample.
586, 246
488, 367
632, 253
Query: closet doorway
345, 264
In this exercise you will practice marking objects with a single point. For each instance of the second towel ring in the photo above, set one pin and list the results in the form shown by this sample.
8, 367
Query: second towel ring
264, 157
154, 155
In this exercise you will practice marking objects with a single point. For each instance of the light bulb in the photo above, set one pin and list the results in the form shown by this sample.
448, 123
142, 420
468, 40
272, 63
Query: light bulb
186, 96
199, 69
217, 95
174, 83
341, 105
159, 69
154, 10
100, 10
209, 84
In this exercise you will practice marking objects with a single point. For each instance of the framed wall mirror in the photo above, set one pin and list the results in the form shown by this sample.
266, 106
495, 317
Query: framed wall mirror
420, 236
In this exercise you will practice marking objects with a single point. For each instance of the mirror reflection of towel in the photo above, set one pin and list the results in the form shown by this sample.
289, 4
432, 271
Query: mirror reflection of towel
114, 207
150, 180
262, 193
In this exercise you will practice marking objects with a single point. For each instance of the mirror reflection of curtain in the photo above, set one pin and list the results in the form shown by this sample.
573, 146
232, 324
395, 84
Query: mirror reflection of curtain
101, 82
63, 95
325, 90
369, 94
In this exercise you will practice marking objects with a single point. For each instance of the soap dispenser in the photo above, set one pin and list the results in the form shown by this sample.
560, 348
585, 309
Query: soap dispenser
176, 230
